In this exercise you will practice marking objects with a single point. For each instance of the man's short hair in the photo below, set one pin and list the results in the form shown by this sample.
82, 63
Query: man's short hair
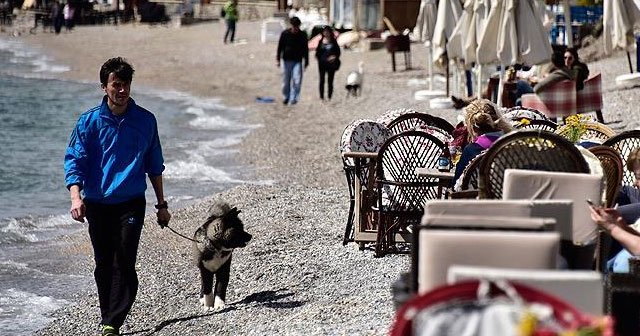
119, 66
294, 21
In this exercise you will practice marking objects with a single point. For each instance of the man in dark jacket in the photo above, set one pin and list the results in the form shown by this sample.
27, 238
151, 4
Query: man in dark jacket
292, 49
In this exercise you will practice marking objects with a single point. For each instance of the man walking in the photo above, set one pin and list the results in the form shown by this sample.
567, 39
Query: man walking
111, 149
292, 49
230, 17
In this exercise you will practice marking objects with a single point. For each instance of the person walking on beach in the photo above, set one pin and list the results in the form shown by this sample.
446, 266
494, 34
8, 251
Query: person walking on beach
328, 55
230, 18
111, 149
292, 49
68, 11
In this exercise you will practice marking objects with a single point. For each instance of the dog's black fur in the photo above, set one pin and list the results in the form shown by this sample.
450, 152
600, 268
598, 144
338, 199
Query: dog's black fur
222, 232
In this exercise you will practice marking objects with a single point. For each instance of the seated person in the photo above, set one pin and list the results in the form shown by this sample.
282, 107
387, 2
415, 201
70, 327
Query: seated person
521, 86
559, 72
614, 222
485, 125
631, 194
579, 70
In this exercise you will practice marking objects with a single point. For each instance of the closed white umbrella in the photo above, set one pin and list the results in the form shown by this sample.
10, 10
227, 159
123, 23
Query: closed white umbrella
619, 18
425, 24
461, 33
426, 20
449, 11
514, 33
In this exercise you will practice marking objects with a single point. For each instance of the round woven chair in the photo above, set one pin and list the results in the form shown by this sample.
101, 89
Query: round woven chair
409, 121
596, 132
361, 135
527, 149
401, 193
543, 124
625, 143
519, 112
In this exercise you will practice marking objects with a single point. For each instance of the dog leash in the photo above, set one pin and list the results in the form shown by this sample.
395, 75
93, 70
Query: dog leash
180, 234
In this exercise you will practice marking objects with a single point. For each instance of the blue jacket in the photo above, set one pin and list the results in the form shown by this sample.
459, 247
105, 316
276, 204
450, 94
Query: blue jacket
108, 156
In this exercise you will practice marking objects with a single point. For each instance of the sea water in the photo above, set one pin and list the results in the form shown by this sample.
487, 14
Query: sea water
37, 114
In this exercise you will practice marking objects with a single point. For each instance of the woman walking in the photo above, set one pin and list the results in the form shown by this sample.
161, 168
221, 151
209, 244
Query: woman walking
328, 55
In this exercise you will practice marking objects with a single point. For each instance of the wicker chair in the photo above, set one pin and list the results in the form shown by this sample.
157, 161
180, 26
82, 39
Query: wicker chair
519, 112
401, 193
469, 183
596, 132
359, 136
527, 149
390, 115
409, 121
625, 143
613, 172
543, 124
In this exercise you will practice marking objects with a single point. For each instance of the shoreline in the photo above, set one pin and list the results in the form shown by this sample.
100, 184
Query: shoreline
295, 277
296, 196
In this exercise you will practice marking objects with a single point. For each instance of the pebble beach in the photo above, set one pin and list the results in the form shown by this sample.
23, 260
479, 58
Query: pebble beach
295, 277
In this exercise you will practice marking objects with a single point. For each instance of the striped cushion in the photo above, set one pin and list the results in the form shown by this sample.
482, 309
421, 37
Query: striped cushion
589, 99
557, 100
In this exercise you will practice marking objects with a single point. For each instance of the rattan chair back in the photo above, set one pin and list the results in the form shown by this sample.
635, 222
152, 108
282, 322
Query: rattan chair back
471, 173
595, 132
410, 121
361, 135
527, 149
613, 172
625, 143
401, 192
519, 112
543, 124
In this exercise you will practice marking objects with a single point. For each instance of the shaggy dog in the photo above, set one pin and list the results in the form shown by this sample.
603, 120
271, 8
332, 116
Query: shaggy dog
214, 242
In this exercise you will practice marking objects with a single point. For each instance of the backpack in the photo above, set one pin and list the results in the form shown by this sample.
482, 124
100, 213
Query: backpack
222, 12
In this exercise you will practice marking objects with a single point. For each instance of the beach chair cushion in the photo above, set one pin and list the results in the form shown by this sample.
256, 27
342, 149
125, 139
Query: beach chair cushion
363, 136
559, 210
534, 184
557, 100
439, 249
589, 99
583, 289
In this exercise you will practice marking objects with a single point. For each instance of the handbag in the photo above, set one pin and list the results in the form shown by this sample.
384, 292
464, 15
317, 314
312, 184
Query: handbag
483, 308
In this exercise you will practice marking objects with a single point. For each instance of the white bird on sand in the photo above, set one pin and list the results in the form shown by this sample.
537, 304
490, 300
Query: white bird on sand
354, 81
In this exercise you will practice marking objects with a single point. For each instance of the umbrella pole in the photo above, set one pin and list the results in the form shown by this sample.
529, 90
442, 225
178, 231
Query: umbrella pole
446, 74
429, 63
629, 60
500, 85
479, 86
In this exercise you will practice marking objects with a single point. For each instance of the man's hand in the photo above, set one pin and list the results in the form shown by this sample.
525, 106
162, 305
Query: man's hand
77, 209
278, 63
163, 217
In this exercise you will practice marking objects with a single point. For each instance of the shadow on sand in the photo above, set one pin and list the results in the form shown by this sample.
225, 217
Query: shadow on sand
269, 298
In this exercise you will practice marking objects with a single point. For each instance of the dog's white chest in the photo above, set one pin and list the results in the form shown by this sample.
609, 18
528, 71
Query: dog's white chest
218, 259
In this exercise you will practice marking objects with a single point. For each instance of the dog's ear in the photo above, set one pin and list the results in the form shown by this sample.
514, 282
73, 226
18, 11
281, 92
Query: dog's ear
233, 212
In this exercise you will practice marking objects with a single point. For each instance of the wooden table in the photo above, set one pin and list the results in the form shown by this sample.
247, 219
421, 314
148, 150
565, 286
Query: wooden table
444, 178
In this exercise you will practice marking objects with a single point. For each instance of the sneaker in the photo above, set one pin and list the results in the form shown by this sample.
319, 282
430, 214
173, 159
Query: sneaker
108, 330
285, 102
